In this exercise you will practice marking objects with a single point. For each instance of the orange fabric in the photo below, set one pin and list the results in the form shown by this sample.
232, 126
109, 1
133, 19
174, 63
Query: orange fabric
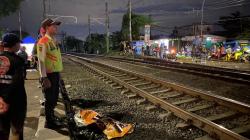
51, 57
157, 49
43, 40
88, 116
111, 131
4, 65
113, 128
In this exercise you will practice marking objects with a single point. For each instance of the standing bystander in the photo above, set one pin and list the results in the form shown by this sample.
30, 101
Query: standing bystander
23, 54
50, 66
13, 100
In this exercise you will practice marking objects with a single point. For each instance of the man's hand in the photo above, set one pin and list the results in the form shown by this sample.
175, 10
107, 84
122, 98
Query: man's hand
3, 106
46, 83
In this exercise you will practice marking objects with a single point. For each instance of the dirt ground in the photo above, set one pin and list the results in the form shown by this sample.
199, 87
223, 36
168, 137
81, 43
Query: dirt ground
34, 95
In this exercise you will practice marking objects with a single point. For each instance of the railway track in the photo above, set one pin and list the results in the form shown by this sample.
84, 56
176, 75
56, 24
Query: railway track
219, 117
232, 75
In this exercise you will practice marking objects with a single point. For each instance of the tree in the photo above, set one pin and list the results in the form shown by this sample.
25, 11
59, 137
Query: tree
175, 33
115, 40
138, 21
1, 33
235, 24
8, 6
95, 42
245, 35
73, 44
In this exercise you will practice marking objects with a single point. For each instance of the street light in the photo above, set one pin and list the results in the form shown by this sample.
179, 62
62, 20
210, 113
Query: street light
203, 59
202, 17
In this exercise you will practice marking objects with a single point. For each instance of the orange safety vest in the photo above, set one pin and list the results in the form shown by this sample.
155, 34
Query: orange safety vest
157, 49
52, 58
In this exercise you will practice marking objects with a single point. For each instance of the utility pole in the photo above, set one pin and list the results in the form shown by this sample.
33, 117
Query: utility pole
202, 17
49, 7
203, 57
89, 24
44, 9
20, 25
107, 27
63, 41
130, 21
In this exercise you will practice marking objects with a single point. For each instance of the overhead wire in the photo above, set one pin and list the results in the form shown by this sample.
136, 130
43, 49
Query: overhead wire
214, 5
228, 6
224, 2
136, 2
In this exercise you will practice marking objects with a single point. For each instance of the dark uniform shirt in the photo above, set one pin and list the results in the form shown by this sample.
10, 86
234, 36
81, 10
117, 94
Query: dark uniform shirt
11, 78
13, 93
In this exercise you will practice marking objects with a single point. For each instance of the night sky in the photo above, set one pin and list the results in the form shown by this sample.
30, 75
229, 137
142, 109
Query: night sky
165, 13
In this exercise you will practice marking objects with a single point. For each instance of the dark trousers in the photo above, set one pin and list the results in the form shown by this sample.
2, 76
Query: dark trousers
51, 95
15, 116
25, 73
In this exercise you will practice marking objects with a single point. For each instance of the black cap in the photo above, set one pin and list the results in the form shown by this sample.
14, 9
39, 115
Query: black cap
10, 39
48, 22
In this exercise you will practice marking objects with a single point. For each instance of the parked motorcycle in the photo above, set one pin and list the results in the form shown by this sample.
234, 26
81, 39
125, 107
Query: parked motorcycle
245, 57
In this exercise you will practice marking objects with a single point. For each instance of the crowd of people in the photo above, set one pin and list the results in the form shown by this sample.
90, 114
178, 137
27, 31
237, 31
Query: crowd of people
158, 51
216, 52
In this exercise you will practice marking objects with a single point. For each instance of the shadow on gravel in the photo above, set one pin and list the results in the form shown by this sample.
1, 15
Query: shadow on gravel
150, 134
119, 116
82, 103
147, 119
61, 131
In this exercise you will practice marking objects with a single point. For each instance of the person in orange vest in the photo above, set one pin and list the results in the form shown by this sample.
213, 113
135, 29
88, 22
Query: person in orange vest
50, 66
34, 61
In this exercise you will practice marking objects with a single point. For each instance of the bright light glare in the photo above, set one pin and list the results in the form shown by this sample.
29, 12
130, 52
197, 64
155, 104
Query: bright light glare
29, 48
172, 51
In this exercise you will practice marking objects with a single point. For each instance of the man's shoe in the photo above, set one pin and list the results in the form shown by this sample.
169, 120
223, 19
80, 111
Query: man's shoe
55, 118
53, 124
42, 102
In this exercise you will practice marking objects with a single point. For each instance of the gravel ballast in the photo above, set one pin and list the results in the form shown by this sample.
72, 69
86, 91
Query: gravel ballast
91, 93
235, 91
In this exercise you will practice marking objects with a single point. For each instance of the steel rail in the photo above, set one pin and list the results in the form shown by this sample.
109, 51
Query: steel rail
210, 127
232, 75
